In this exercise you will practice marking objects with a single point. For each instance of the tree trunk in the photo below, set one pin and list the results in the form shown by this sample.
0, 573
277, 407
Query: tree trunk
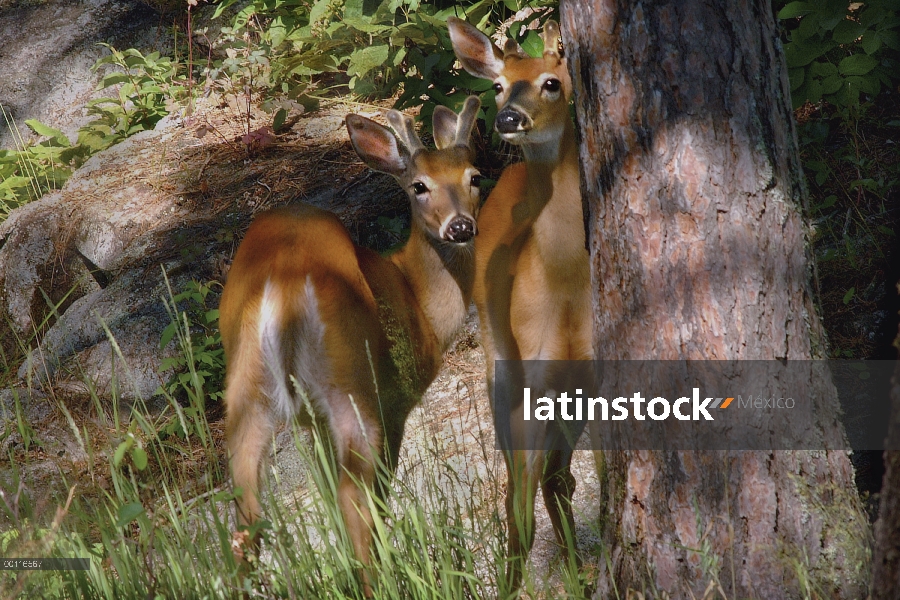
693, 189
886, 572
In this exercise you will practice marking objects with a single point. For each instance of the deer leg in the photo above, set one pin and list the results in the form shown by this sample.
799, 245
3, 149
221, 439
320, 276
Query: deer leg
249, 431
523, 471
558, 487
357, 444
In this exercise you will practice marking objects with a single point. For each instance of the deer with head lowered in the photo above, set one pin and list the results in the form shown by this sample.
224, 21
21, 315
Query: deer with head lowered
360, 335
532, 272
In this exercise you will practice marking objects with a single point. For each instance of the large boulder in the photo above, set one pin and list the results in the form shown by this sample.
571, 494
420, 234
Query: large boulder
47, 49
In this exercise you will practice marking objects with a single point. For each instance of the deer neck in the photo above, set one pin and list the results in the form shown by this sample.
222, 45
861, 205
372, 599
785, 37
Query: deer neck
441, 277
555, 151
554, 196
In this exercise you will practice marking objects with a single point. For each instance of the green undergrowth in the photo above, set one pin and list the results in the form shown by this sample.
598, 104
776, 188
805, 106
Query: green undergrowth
159, 530
142, 88
844, 67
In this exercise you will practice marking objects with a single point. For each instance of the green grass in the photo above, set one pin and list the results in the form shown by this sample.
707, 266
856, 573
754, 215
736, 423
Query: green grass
146, 536
160, 523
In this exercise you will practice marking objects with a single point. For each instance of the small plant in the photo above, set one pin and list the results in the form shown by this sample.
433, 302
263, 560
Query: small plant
843, 64
29, 172
132, 447
256, 70
291, 50
837, 50
146, 87
199, 366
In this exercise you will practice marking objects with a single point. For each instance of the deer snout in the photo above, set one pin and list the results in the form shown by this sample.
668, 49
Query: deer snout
460, 230
509, 120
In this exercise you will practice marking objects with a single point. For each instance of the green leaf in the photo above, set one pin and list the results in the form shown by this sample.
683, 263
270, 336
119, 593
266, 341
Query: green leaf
835, 12
366, 26
11, 183
847, 31
139, 456
319, 9
823, 69
353, 9
829, 254
220, 8
277, 32
533, 45
278, 120
167, 335
871, 42
832, 84
800, 54
121, 450
796, 77
45, 130
869, 85
885, 230
128, 513
816, 165
814, 90
872, 15
795, 9
111, 80
857, 64
810, 27
890, 38
309, 103
849, 295
365, 59
821, 177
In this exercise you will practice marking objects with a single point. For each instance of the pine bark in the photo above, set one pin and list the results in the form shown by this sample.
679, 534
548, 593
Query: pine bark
693, 190
886, 571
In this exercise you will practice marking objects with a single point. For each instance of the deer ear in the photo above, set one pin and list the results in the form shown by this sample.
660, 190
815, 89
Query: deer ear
375, 145
477, 53
443, 124
551, 36
466, 122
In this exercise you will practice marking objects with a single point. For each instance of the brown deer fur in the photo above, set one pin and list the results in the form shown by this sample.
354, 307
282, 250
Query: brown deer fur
532, 275
361, 336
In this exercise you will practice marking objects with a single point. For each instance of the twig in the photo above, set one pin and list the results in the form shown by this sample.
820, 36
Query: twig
354, 183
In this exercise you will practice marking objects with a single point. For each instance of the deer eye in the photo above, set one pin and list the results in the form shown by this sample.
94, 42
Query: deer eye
552, 85
498, 88
476, 180
419, 188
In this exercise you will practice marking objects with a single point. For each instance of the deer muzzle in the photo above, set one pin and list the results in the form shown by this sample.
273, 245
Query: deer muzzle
460, 230
509, 120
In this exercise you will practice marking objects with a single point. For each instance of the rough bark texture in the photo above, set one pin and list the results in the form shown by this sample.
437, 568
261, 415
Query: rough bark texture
886, 572
692, 182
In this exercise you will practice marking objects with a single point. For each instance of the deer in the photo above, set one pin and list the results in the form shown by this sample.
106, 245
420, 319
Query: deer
532, 271
315, 327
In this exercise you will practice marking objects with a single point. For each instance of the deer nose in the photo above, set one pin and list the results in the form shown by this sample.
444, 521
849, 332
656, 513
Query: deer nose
510, 121
460, 230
